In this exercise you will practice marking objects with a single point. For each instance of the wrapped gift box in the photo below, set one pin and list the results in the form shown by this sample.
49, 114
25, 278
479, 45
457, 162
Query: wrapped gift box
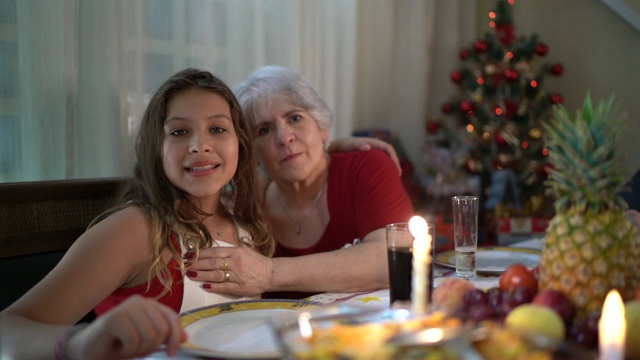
515, 229
444, 233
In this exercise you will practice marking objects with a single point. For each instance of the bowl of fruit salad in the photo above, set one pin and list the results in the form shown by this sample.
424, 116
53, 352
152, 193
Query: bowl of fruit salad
366, 333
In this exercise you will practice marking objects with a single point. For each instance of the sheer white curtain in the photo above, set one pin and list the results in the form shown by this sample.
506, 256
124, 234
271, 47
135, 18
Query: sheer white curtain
407, 51
77, 74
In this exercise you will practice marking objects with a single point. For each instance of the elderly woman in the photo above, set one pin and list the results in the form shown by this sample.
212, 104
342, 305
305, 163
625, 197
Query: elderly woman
328, 212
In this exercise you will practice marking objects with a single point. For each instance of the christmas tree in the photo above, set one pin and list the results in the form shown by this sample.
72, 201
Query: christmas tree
492, 128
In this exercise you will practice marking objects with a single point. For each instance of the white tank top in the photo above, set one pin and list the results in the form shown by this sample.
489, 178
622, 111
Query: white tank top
194, 296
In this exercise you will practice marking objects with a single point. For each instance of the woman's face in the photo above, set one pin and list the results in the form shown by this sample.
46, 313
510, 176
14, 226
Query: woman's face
289, 143
200, 146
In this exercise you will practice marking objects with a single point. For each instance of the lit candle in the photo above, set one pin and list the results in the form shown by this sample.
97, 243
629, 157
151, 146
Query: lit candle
421, 264
612, 327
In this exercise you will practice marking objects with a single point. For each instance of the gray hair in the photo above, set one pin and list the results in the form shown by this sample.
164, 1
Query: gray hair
270, 84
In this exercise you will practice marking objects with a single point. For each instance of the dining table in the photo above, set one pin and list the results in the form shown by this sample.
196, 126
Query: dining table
442, 269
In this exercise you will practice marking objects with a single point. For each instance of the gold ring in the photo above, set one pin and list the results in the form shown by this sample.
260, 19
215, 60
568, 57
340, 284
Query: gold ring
227, 276
224, 265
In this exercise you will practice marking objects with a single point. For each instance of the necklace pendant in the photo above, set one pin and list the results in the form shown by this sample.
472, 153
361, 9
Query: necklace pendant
219, 233
298, 229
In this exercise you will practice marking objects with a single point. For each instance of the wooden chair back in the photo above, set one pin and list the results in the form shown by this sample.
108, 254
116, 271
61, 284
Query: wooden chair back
39, 221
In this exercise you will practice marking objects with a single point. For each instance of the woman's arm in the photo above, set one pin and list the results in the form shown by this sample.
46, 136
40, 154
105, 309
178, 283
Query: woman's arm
103, 259
332, 271
360, 267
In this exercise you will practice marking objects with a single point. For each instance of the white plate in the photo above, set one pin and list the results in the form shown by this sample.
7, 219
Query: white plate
494, 260
238, 330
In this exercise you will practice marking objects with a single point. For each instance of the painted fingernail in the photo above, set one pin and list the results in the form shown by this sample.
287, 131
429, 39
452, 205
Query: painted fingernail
192, 274
189, 255
206, 286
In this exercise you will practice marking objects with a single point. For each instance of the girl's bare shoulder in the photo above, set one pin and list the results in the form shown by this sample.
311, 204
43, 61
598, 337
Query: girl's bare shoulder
129, 228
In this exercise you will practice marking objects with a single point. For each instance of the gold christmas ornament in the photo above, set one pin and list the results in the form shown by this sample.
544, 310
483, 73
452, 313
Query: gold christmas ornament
535, 133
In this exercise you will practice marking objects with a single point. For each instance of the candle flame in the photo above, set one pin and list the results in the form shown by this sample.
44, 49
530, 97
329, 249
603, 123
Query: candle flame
304, 322
612, 327
432, 335
418, 227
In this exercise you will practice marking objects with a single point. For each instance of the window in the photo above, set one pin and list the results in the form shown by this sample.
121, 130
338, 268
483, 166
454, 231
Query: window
76, 75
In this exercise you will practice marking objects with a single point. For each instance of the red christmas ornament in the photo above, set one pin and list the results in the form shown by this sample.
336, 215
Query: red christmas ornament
446, 108
505, 33
480, 46
456, 76
557, 69
473, 166
542, 49
464, 54
500, 140
556, 98
511, 74
511, 108
546, 169
432, 127
466, 106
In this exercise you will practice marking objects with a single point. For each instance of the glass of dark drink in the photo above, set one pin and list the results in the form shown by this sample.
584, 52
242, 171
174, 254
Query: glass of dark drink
400, 258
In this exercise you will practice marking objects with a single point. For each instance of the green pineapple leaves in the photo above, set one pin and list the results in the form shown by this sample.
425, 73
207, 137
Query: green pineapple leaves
585, 172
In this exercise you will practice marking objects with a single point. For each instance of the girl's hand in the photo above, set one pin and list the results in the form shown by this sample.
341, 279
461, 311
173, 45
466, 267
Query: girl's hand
249, 273
365, 144
134, 328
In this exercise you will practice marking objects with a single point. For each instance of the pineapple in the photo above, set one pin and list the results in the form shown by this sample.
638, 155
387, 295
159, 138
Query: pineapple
591, 246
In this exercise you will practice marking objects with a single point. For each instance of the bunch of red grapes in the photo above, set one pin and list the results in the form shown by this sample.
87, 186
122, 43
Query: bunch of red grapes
519, 285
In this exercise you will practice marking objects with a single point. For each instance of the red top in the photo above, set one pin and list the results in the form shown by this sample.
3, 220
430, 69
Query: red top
173, 298
364, 193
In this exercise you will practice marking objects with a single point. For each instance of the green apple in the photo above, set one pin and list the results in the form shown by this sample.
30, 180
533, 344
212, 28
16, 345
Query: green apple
632, 314
536, 319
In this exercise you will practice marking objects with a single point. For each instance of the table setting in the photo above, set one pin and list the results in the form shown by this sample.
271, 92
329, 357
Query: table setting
244, 329
414, 318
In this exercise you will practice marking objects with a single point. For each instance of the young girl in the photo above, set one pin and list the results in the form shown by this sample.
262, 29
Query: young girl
194, 186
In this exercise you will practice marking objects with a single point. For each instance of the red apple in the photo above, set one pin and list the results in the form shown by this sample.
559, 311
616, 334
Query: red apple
558, 302
517, 276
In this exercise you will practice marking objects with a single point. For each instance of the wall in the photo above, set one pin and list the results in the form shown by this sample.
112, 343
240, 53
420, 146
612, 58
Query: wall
600, 52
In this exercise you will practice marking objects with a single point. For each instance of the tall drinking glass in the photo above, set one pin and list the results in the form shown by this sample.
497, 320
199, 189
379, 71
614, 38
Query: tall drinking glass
465, 233
400, 260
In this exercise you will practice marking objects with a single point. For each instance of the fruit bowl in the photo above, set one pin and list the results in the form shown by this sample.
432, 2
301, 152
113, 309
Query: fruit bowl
369, 333
373, 333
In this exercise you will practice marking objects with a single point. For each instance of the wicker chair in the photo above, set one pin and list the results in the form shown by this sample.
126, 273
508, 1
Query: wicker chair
39, 221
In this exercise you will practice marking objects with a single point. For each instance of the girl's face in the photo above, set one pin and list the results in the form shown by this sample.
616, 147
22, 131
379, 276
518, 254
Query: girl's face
288, 141
200, 146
